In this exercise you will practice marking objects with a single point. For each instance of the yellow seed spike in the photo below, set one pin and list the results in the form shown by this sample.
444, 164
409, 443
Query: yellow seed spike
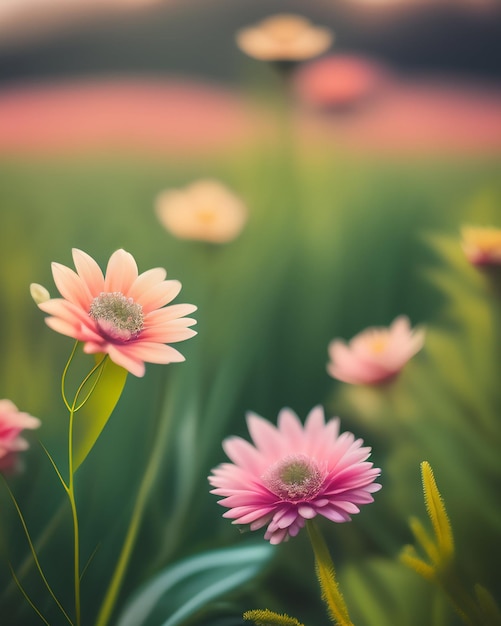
265, 617
326, 576
409, 557
437, 513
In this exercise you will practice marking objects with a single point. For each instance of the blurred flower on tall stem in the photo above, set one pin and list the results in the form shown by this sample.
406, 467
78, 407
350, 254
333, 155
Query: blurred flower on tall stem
12, 423
122, 313
205, 210
284, 37
375, 355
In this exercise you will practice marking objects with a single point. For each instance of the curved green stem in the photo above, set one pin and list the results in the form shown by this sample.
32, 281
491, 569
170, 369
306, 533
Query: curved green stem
35, 559
70, 487
26, 596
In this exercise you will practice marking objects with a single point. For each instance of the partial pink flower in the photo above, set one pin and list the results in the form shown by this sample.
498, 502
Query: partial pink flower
482, 244
376, 354
293, 473
339, 81
12, 422
122, 314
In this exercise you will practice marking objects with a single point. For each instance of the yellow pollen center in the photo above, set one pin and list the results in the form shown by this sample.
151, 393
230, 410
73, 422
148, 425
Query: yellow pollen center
379, 344
206, 216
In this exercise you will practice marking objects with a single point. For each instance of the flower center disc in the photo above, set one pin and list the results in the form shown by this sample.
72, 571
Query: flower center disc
294, 478
117, 316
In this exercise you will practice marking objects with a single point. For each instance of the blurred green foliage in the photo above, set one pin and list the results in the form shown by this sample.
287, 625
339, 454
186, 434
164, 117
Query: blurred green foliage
334, 244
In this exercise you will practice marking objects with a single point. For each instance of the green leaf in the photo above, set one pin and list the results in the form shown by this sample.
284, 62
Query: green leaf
91, 418
187, 586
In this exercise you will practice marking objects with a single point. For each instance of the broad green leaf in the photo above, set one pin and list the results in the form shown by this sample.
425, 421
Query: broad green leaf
187, 586
92, 417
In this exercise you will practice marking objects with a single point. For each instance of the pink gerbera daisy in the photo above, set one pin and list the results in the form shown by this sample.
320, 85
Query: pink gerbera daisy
293, 473
375, 355
121, 314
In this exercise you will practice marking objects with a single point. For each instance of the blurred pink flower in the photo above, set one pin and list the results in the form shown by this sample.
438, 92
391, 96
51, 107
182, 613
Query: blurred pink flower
293, 473
12, 422
284, 37
206, 210
376, 354
339, 81
482, 245
122, 313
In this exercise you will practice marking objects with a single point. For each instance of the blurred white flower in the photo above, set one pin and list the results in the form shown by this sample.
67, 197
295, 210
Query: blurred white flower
284, 37
206, 210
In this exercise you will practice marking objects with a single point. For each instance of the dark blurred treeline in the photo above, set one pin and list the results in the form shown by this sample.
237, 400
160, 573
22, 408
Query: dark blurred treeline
195, 37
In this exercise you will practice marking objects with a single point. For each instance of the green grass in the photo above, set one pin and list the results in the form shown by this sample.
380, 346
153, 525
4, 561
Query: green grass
330, 248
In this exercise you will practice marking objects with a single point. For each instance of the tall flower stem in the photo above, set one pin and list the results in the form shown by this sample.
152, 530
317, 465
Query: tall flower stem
326, 575
70, 485
74, 515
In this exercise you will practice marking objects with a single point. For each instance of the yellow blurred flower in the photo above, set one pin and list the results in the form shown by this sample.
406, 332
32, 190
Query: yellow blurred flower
206, 210
284, 37
482, 244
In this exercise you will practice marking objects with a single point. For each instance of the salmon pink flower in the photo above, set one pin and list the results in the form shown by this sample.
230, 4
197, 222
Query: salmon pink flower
12, 422
376, 354
121, 314
293, 473
482, 245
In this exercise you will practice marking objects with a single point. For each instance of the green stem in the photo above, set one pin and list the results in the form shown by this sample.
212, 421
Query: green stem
74, 515
70, 487
26, 596
462, 601
145, 487
331, 594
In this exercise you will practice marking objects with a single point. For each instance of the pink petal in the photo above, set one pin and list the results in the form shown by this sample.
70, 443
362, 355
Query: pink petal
145, 281
159, 295
121, 272
168, 313
168, 333
89, 271
306, 511
265, 436
352, 368
291, 429
242, 453
124, 359
152, 352
71, 286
